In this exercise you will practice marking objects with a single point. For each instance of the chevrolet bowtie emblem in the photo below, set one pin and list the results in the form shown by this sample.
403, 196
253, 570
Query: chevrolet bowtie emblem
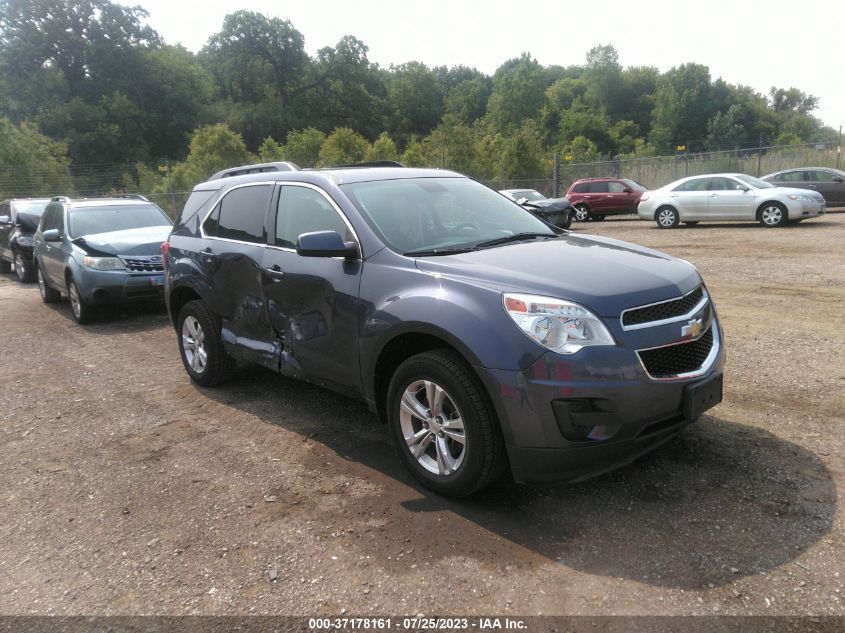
692, 329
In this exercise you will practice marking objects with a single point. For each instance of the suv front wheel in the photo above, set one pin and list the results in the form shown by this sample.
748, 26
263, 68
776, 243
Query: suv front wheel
443, 427
201, 346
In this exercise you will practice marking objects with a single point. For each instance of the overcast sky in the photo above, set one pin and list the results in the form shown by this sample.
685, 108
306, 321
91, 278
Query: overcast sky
758, 44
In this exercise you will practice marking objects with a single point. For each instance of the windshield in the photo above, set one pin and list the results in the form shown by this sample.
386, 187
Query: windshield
754, 182
633, 185
35, 207
91, 220
421, 214
528, 194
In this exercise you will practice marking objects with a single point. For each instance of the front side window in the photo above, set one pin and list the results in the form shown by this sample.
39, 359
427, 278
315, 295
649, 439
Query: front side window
240, 215
304, 210
824, 176
793, 176
423, 214
615, 187
107, 218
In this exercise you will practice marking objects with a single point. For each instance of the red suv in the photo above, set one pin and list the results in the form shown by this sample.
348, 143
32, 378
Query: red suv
594, 198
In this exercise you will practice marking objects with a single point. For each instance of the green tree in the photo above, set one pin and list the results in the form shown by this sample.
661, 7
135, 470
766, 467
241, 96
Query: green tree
32, 164
519, 87
270, 151
468, 100
383, 148
450, 145
682, 107
303, 146
415, 99
524, 156
414, 154
343, 146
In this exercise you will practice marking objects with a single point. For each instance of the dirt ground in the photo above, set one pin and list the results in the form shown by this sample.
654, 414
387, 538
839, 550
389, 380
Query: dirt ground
125, 489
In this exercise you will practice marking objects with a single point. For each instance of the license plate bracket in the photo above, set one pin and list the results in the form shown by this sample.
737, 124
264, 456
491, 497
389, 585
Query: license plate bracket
702, 396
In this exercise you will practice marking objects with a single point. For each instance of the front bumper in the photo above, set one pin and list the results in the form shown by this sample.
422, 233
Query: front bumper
98, 287
568, 418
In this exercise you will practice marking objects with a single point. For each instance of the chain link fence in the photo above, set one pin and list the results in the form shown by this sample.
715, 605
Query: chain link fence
100, 180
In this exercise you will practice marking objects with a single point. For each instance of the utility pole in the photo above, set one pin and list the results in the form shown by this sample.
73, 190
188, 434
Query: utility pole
839, 149
686, 159
170, 186
555, 180
759, 154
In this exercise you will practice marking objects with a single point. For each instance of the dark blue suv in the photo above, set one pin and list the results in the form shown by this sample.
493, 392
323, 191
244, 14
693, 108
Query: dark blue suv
484, 339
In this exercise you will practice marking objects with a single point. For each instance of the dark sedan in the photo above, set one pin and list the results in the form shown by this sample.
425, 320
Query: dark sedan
18, 222
555, 211
827, 181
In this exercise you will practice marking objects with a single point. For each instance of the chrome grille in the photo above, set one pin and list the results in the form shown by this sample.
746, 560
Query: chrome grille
681, 358
144, 264
673, 308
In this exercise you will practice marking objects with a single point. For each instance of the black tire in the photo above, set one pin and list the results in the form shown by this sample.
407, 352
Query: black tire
82, 311
5, 267
582, 213
566, 224
772, 215
24, 268
218, 366
481, 454
48, 294
667, 217
691, 222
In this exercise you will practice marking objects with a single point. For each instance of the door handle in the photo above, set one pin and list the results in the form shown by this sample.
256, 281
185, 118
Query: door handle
275, 271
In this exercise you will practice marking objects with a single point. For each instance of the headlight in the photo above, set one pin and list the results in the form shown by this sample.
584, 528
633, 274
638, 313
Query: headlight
795, 196
103, 263
558, 325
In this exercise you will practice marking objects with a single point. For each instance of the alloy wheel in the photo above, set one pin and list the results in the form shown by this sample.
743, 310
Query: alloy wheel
666, 218
20, 267
582, 214
75, 301
432, 427
42, 286
193, 344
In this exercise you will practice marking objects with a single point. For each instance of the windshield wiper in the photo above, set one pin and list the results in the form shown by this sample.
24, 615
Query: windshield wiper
439, 251
513, 238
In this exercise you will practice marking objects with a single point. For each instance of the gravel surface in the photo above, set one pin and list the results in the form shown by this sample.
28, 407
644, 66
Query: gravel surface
125, 489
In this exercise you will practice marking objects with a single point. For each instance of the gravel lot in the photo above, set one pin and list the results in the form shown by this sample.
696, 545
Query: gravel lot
124, 489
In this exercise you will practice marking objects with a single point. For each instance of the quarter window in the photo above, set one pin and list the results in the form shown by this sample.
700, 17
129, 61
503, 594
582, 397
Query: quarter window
303, 210
240, 215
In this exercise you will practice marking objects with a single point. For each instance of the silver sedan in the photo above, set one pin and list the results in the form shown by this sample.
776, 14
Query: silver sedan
716, 197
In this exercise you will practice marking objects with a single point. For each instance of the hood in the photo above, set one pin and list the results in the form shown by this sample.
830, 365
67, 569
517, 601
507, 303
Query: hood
143, 241
551, 204
788, 191
605, 275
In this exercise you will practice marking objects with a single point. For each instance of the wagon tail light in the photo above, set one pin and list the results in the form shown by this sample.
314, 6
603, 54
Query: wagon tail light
165, 251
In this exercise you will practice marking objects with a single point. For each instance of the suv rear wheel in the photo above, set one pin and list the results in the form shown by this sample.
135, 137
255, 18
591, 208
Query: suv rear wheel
443, 427
201, 346
582, 213
48, 294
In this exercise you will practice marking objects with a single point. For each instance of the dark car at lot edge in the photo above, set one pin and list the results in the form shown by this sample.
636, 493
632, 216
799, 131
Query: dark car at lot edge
18, 221
825, 180
555, 211
100, 252
482, 338
596, 198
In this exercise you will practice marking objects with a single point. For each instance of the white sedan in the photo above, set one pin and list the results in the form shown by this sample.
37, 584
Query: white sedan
716, 197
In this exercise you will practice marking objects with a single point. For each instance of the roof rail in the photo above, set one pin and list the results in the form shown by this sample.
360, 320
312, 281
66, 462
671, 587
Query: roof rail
258, 168
371, 163
130, 196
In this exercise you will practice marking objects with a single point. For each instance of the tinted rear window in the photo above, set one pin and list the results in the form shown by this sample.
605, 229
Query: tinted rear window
581, 187
242, 212
598, 187
194, 203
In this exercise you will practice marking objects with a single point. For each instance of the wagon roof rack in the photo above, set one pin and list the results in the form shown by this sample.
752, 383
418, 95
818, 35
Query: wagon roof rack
257, 168
131, 196
370, 163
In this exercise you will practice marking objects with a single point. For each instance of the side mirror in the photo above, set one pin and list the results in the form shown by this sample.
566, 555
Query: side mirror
325, 244
52, 235
742, 188
626, 190
5, 219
